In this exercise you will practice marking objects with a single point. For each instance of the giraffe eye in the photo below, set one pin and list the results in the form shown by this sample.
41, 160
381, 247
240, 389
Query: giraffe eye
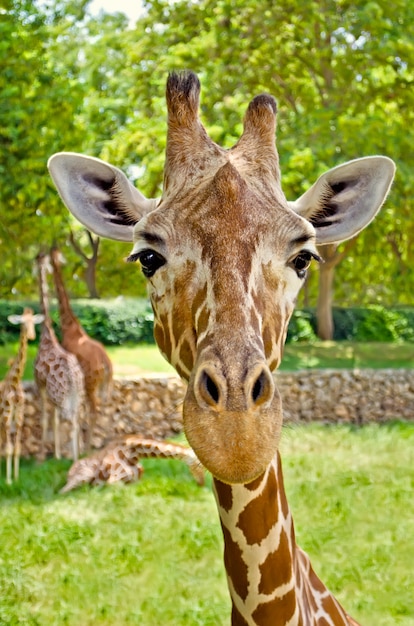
150, 262
301, 262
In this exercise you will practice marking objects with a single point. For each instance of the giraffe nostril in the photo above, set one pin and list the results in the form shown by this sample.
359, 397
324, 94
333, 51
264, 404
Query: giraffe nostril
262, 389
209, 389
257, 388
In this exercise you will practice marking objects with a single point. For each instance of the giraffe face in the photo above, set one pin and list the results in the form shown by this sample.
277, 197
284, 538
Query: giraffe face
222, 292
225, 255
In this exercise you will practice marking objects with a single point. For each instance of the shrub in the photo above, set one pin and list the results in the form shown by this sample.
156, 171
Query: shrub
383, 325
119, 321
130, 320
300, 327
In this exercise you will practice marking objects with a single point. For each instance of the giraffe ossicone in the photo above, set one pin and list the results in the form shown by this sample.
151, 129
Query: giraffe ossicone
225, 255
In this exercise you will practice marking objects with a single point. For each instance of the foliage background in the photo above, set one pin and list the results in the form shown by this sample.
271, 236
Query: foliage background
342, 73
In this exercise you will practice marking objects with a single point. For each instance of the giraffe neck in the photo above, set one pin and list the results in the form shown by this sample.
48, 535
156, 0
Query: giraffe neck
136, 447
44, 290
48, 335
68, 320
16, 370
151, 448
271, 581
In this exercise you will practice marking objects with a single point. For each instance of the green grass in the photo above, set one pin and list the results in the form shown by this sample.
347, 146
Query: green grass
150, 553
144, 359
348, 355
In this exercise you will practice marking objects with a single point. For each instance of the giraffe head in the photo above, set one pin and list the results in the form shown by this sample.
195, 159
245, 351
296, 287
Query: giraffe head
225, 255
28, 319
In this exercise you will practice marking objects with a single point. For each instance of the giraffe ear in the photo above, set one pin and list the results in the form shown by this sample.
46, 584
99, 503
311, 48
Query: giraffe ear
99, 195
15, 319
346, 198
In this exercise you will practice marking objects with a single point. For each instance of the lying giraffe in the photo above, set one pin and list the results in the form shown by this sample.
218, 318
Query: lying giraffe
119, 461
225, 255
12, 394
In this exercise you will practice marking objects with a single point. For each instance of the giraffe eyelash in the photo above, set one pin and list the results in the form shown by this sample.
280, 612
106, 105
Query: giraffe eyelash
132, 258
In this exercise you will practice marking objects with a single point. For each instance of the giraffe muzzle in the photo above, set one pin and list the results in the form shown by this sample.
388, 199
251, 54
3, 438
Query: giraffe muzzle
233, 419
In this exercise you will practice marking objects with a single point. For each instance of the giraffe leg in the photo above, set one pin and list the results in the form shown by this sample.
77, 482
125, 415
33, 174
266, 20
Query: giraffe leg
56, 431
9, 449
45, 423
75, 437
70, 412
19, 417
93, 410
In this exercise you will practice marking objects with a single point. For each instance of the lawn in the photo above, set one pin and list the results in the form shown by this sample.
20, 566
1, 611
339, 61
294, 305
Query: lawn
150, 553
137, 360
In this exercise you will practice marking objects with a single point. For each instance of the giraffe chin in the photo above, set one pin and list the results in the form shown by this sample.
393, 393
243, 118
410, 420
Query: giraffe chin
235, 446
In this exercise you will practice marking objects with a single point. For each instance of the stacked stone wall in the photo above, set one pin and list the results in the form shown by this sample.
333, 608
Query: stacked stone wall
152, 406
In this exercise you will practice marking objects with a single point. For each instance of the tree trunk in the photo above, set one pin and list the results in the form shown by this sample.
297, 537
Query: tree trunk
324, 315
332, 258
91, 262
90, 278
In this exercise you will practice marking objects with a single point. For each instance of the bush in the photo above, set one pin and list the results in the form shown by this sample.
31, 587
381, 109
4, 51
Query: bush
119, 321
301, 327
130, 320
113, 322
384, 325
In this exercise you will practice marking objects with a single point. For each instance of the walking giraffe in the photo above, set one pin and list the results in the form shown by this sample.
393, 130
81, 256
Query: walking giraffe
118, 461
95, 363
58, 375
12, 394
225, 255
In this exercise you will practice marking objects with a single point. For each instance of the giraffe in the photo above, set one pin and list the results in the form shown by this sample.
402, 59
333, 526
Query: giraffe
58, 375
225, 255
94, 361
119, 461
12, 393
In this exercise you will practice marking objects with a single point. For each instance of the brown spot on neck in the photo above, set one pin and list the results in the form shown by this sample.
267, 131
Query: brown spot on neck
262, 513
224, 494
277, 611
277, 568
235, 566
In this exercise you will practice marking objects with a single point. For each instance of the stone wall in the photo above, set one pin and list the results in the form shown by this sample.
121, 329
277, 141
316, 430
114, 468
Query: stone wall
152, 406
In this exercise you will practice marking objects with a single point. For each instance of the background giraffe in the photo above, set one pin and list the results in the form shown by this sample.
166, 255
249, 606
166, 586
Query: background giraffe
58, 375
12, 394
94, 361
225, 255
119, 461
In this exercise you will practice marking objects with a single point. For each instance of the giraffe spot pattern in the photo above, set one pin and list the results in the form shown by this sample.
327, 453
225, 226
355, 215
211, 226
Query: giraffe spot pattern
258, 518
235, 566
284, 608
276, 570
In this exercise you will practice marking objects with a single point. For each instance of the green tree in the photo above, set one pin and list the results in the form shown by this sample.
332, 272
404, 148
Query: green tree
342, 74
32, 95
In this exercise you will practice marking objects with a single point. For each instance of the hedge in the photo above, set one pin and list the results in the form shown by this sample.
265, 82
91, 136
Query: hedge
113, 322
130, 320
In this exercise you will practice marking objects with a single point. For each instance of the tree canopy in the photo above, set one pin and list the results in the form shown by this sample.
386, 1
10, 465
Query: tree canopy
342, 73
